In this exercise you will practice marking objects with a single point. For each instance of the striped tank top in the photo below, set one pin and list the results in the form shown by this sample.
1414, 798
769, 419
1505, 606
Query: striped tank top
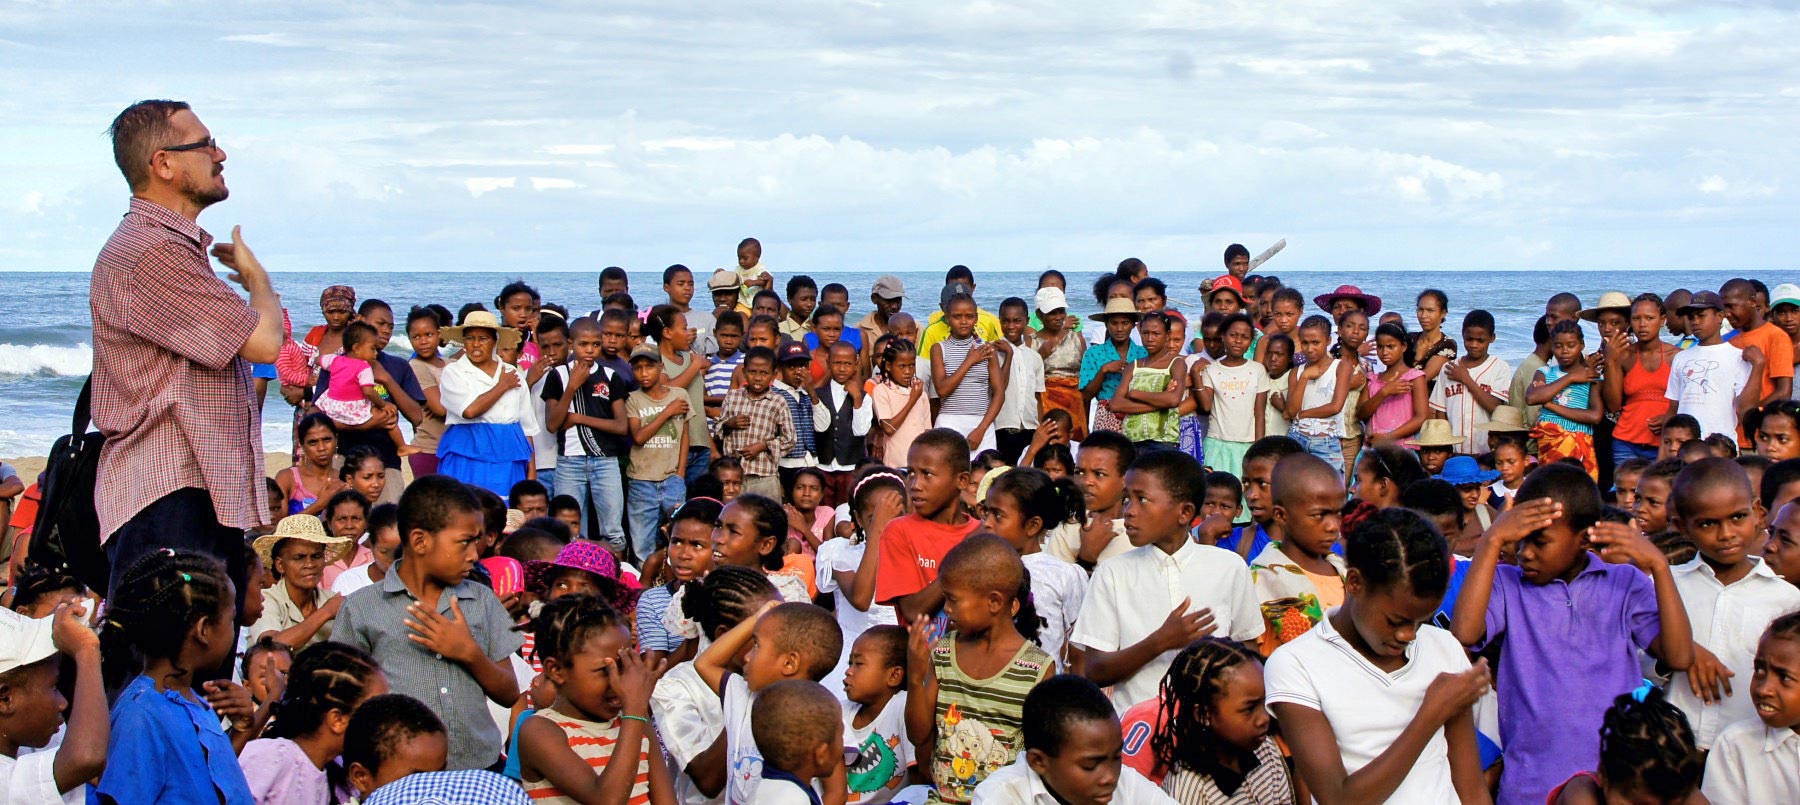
978, 720
593, 742
971, 395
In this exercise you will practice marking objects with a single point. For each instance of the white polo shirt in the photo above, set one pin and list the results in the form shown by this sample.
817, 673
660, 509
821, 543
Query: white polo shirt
1753, 764
1017, 784
1728, 621
1134, 592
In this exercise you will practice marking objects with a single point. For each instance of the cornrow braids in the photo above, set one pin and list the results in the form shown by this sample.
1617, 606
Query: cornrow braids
564, 625
727, 596
894, 347
1190, 692
1398, 546
160, 597
1647, 746
325, 677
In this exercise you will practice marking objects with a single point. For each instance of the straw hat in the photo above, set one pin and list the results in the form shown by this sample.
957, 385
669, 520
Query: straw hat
482, 320
1611, 300
1436, 433
515, 520
1505, 419
1371, 303
302, 527
1117, 306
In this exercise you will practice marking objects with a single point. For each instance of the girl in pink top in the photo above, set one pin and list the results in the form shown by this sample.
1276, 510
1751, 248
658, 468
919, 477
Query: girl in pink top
352, 397
901, 412
1395, 404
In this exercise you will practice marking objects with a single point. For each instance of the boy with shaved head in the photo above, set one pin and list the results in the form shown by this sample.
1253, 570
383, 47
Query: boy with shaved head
1300, 577
1748, 316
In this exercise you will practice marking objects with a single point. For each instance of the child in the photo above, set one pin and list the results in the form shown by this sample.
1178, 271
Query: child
900, 411
752, 532
1731, 595
842, 415
452, 651
1235, 394
294, 762
1395, 405
590, 413
265, 669
352, 398
529, 498
1625, 482
1471, 482
1021, 507
581, 568
1132, 622
31, 707
1753, 761
968, 377
1374, 701
1782, 551
729, 332
395, 751
1647, 754
1224, 497
1100, 472
1214, 739
1353, 345
552, 339
1277, 356
827, 332
874, 714
602, 712
1512, 464
1299, 578
169, 626
786, 641
567, 509
1150, 395
1055, 459
1436, 444
1715, 382
1562, 663
802, 298
1473, 386
1072, 742
689, 557
909, 551
683, 369
1383, 472
363, 472
1017, 421
1249, 540
845, 566
798, 740
966, 689
753, 276
755, 426
1315, 400
1651, 507
296, 609
689, 720
1677, 431
656, 413
728, 472
1776, 429
1564, 389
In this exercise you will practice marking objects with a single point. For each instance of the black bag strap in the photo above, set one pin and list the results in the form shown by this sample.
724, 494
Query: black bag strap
78, 426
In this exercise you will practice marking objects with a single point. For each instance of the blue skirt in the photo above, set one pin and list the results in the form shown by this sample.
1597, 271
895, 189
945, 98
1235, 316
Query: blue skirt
493, 457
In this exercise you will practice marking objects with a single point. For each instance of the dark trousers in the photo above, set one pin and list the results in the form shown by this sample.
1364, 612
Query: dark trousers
837, 487
1011, 442
182, 520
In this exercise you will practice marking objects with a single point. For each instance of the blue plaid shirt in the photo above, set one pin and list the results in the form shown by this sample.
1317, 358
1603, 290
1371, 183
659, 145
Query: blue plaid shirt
467, 787
799, 403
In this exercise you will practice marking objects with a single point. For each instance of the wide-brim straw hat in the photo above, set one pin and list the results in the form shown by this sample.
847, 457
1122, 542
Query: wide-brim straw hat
1117, 306
302, 527
505, 337
1436, 433
1611, 300
1505, 419
1371, 303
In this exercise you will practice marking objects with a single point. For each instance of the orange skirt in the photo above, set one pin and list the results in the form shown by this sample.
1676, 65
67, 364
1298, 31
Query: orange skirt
1556, 443
1064, 394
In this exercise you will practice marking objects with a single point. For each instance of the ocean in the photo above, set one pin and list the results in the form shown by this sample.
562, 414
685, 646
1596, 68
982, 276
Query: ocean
45, 328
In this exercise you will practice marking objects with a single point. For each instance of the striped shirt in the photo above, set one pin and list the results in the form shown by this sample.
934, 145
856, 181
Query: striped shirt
978, 720
718, 375
652, 635
970, 397
593, 742
1267, 784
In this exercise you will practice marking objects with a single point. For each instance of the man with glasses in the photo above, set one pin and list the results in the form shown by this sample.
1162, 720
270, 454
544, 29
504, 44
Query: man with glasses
183, 463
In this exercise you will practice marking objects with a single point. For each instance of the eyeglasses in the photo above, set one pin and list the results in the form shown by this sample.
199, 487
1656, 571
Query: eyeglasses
210, 144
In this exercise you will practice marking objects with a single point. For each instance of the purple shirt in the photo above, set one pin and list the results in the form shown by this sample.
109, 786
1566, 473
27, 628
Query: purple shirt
1574, 649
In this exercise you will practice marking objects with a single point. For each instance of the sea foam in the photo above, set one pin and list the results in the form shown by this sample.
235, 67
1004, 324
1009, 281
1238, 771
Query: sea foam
45, 360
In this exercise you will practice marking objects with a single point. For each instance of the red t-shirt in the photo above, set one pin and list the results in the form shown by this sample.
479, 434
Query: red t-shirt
1139, 723
911, 549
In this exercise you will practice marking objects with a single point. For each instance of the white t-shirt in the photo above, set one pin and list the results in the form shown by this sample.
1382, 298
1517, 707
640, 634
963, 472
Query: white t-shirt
1024, 382
544, 442
781, 792
1368, 707
886, 753
743, 761
1133, 593
31, 780
1464, 414
1706, 382
838, 555
1017, 784
688, 720
1234, 399
1057, 590
351, 580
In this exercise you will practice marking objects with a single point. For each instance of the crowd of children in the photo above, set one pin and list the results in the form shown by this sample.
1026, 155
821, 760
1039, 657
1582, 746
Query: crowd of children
767, 552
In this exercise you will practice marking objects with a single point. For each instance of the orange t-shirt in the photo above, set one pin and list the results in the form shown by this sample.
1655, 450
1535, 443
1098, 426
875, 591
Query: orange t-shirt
911, 549
1778, 354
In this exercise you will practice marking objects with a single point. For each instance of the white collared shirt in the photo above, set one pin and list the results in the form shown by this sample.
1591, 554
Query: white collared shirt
1024, 382
862, 417
1017, 784
1728, 620
1753, 764
1064, 542
1134, 592
462, 382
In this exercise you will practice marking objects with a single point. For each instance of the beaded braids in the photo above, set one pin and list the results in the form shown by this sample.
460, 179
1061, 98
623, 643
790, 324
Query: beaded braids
160, 597
564, 625
1398, 546
325, 677
1189, 694
1647, 746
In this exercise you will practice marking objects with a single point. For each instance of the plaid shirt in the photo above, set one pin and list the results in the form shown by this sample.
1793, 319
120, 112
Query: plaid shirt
800, 408
770, 422
170, 392
471, 787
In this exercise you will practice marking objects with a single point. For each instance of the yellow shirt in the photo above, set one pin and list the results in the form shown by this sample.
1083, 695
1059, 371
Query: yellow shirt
987, 325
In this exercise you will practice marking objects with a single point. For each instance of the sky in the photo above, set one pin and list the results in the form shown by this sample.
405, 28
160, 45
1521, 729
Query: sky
521, 136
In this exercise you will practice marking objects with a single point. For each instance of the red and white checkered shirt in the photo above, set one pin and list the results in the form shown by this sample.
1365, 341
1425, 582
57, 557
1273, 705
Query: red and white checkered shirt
170, 392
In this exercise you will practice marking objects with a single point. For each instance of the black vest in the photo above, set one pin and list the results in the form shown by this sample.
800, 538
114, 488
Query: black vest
837, 444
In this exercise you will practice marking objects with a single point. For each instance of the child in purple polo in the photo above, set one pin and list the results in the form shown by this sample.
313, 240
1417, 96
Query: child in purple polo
1572, 621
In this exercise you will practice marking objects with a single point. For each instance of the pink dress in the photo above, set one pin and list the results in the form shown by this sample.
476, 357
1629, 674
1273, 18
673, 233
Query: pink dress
1393, 411
344, 401
889, 399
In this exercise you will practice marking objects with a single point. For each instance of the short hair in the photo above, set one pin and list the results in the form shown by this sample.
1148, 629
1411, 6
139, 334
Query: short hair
959, 273
1702, 477
1315, 322
1292, 474
750, 242
1566, 484
1723, 442
1778, 475
525, 489
563, 503
763, 354
952, 444
729, 318
791, 719
1568, 327
1432, 497
985, 563
669, 274
891, 642
493, 509
382, 723
1480, 319
827, 311
1564, 299
556, 528
1124, 452
1666, 470
1685, 422
1178, 473
530, 543
1234, 251
766, 293
429, 502
1395, 546
1273, 447
811, 632
515, 288
614, 274
1161, 288
613, 315
800, 282
1540, 331
342, 497
1013, 302
1057, 704
137, 133
1630, 465
1225, 480
386, 515
356, 334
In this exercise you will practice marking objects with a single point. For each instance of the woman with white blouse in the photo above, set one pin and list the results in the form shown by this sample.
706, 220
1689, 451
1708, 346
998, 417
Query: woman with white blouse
487, 411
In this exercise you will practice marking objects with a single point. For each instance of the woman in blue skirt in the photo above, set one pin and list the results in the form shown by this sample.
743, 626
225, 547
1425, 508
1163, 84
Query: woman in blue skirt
487, 410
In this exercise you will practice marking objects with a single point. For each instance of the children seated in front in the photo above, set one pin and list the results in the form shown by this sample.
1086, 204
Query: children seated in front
1071, 740
800, 741
1752, 761
395, 750
786, 641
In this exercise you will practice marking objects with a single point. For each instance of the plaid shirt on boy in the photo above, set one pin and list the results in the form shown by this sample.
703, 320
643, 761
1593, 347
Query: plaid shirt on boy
770, 423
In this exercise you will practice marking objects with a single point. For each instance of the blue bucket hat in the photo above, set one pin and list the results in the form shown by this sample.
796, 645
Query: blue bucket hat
1462, 471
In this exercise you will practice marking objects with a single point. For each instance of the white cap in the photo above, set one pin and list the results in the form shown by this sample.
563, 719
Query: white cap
23, 640
1050, 300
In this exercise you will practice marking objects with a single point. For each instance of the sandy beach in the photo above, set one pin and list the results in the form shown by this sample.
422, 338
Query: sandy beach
30, 466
